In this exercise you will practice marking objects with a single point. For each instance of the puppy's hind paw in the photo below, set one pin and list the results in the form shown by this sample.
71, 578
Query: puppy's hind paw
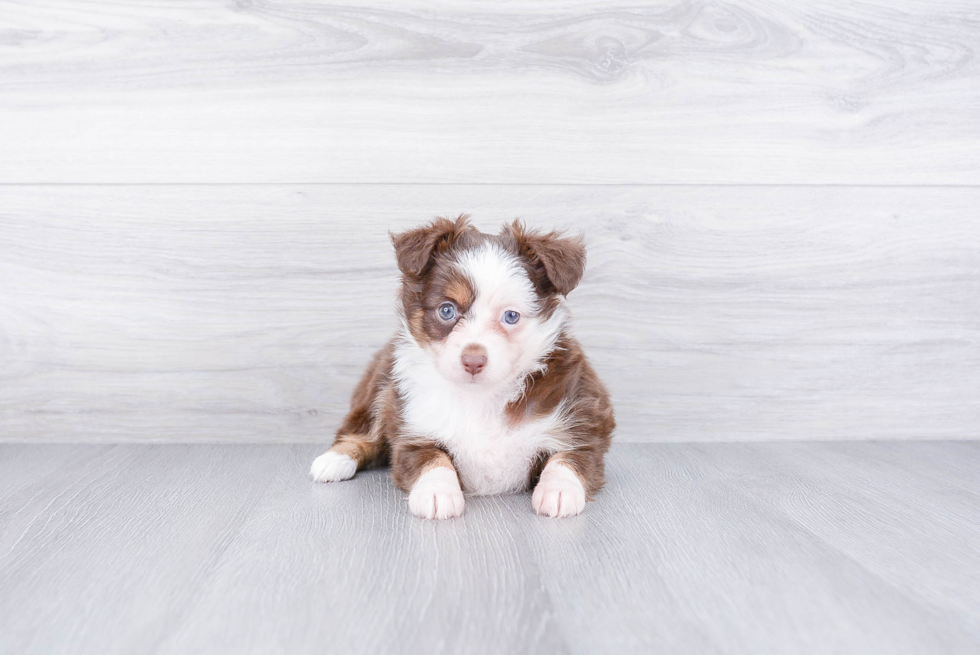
559, 493
333, 467
436, 495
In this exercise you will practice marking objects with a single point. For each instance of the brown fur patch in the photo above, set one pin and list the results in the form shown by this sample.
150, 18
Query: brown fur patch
555, 263
459, 290
356, 446
410, 459
569, 377
429, 276
416, 323
358, 436
439, 459
415, 249
444, 283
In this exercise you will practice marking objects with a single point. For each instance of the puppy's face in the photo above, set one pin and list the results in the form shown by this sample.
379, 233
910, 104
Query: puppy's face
484, 307
479, 317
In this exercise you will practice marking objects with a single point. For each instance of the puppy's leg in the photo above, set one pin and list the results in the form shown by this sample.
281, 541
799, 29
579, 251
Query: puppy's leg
427, 473
348, 454
567, 480
359, 442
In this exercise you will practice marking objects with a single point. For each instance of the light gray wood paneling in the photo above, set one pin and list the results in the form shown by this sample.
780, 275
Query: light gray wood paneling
881, 92
691, 548
200, 313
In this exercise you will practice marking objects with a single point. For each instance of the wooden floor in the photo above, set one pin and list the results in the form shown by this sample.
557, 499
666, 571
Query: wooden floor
691, 548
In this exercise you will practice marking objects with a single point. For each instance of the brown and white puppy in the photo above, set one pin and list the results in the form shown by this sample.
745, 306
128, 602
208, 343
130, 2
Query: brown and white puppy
483, 389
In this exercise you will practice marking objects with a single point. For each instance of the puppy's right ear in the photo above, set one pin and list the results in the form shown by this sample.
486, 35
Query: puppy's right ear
415, 248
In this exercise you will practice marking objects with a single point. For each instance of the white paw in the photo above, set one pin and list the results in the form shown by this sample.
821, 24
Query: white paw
559, 492
333, 467
436, 495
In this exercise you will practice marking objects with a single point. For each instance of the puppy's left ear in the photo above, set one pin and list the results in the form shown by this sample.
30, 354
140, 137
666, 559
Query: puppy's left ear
559, 260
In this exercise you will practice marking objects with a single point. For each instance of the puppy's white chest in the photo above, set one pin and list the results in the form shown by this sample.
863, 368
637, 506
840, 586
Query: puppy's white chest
491, 463
491, 456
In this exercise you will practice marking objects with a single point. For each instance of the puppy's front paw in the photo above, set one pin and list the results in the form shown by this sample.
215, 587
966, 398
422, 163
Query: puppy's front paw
333, 467
559, 492
436, 495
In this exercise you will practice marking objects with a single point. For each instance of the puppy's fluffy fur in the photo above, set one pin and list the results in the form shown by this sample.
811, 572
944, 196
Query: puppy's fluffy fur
483, 389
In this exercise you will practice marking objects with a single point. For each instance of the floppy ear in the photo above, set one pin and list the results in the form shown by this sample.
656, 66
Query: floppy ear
559, 260
415, 248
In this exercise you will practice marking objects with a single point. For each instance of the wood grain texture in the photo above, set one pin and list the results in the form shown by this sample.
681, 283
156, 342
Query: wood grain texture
744, 91
707, 548
346, 568
235, 313
711, 562
850, 509
104, 548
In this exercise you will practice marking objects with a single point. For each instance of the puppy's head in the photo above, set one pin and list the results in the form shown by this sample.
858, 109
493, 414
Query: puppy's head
484, 307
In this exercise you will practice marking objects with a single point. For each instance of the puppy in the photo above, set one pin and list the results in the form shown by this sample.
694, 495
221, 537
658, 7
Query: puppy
483, 390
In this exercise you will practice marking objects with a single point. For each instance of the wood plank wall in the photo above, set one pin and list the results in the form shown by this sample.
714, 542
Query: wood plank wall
780, 202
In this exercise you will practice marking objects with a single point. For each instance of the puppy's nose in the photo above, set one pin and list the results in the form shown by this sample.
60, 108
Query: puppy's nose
474, 359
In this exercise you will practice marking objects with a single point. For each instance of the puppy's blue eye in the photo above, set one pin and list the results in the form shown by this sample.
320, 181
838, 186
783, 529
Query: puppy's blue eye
447, 311
511, 317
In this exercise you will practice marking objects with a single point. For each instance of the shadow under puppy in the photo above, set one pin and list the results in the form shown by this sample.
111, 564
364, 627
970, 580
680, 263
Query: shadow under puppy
483, 389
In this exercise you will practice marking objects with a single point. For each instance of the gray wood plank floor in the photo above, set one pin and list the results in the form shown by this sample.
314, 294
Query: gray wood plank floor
692, 548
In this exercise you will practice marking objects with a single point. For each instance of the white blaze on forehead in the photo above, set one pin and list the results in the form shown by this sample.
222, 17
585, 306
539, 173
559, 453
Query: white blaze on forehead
499, 281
